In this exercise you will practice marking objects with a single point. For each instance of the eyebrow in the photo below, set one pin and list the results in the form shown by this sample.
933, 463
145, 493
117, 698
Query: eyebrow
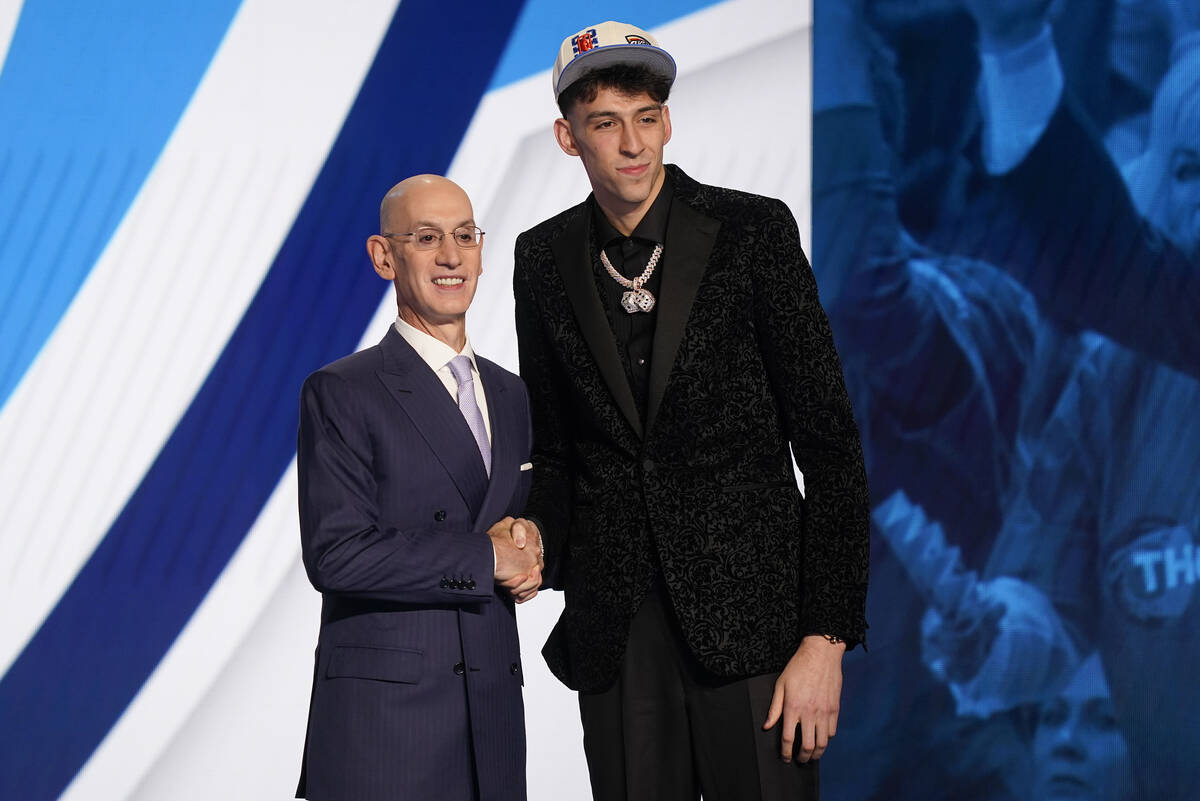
594, 114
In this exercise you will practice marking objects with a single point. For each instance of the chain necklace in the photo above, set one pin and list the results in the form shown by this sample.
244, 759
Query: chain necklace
638, 298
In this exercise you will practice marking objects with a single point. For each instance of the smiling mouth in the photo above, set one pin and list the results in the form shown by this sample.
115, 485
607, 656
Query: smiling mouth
448, 281
1063, 782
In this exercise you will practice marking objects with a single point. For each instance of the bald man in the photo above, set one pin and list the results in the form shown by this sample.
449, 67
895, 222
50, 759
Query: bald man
413, 460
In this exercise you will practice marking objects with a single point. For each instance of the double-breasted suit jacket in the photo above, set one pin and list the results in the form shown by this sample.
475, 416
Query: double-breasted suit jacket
417, 686
701, 491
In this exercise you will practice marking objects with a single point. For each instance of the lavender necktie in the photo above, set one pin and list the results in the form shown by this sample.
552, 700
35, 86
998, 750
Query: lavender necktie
461, 367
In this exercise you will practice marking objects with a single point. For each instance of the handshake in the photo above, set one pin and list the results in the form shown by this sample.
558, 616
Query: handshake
518, 547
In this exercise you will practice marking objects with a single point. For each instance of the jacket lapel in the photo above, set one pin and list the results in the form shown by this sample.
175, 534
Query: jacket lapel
572, 254
691, 236
504, 447
435, 416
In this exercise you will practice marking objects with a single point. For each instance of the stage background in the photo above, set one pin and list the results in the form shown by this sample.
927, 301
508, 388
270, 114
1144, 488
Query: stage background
1003, 232
185, 190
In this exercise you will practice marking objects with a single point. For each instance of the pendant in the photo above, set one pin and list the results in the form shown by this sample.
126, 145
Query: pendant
637, 300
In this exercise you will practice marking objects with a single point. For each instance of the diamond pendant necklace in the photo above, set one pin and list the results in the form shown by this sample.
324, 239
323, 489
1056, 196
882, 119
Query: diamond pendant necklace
638, 298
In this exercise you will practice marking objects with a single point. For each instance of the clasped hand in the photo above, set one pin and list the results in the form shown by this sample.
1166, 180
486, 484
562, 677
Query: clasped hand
518, 547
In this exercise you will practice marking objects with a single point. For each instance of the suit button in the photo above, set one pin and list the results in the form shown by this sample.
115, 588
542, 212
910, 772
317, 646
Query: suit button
439, 515
460, 669
648, 466
470, 584
514, 668
444, 583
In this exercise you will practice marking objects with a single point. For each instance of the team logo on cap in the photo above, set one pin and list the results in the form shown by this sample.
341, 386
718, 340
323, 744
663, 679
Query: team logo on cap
633, 38
584, 42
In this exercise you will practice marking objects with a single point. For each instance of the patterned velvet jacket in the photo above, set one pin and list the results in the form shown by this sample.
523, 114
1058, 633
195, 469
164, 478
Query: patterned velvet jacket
743, 364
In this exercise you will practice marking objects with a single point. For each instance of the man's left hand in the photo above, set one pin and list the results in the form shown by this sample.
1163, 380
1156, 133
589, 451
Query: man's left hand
807, 696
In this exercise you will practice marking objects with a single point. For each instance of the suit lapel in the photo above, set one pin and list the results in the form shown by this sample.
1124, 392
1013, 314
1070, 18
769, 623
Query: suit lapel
691, 236
572, 254
434, 414
504, 446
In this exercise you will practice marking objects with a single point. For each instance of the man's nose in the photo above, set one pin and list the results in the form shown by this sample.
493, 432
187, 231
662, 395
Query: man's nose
631, 141
448, 252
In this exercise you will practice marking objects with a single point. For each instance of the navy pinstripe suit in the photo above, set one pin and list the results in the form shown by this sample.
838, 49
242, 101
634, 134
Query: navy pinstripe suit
417, 686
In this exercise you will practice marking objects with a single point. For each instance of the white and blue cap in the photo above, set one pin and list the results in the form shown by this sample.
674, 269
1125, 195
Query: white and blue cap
604, 45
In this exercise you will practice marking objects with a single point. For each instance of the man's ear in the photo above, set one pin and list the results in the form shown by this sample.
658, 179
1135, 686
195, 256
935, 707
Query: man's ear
565, 137
381, 257
666, 115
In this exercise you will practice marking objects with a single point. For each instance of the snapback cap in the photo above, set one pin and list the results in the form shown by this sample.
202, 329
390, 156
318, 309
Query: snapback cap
604, 45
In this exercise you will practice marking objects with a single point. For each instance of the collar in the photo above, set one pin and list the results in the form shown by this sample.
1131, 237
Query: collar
651, 228
434, 352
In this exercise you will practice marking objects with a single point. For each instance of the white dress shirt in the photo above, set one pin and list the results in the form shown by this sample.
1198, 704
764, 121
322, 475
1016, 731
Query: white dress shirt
437, 355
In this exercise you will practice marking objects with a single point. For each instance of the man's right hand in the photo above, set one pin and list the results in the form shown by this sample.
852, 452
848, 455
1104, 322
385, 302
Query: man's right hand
518, 568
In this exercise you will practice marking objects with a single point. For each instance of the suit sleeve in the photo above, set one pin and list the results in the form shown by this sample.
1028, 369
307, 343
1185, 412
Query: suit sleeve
346, 547
806, 378
1063, 223
549, 502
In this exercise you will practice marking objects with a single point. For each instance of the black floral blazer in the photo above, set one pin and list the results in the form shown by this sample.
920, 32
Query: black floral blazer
702, 489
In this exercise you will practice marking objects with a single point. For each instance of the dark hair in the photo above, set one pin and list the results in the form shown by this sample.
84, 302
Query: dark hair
626, 79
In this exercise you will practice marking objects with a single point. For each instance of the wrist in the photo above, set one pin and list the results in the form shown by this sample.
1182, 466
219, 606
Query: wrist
829, 641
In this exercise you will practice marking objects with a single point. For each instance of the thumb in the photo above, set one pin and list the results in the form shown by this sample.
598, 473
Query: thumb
518, 534
776, 708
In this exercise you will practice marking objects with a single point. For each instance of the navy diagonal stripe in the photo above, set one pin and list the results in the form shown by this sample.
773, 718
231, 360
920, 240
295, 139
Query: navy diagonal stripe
204, 491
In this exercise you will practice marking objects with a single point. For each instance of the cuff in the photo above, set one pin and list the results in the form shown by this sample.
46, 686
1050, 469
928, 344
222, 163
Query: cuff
1019, 89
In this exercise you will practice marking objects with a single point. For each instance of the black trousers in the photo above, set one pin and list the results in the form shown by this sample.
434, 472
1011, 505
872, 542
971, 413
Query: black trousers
670, 731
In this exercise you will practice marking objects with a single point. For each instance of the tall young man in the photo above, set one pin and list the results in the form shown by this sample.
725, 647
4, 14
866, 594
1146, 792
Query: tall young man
676, 355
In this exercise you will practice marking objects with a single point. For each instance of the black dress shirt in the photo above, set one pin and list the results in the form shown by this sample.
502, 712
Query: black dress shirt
634, 333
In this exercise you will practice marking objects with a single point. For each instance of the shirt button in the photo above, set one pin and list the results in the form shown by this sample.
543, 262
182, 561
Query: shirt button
439, 515
460, 669
648, 466
641, 361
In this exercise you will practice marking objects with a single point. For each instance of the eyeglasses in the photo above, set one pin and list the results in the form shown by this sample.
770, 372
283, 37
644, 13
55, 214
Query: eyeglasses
465, 236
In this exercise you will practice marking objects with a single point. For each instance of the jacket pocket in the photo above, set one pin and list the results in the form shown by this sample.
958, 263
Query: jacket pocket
401, 665
759, 486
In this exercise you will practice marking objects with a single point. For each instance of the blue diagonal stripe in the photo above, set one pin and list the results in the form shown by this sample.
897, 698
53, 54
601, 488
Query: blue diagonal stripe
202, 494
89, 94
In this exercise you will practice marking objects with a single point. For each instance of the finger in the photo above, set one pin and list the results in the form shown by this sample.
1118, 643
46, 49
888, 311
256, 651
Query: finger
787, 744
820, 740
529, 581
807, 739
524, 591
513, 582
776, 708
833, 718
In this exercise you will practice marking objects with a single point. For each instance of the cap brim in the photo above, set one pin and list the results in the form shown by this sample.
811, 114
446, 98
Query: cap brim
655, 58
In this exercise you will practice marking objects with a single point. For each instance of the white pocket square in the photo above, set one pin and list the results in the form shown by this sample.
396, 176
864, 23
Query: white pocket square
527, 466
